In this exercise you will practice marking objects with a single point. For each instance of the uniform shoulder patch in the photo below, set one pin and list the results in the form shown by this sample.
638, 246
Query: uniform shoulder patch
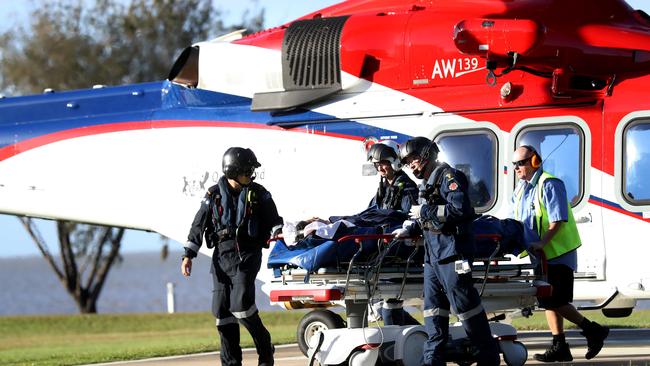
213, 189
453, 186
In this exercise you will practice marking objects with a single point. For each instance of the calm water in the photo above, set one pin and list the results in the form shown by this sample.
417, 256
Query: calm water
28, 286
137, 284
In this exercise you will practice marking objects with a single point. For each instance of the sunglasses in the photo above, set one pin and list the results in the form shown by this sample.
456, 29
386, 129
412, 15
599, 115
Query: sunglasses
521, 162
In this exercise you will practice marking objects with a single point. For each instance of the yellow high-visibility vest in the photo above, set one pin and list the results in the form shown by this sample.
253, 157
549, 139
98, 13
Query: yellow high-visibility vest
567, 238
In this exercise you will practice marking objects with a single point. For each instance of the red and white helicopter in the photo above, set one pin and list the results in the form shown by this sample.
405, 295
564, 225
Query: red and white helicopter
479, 77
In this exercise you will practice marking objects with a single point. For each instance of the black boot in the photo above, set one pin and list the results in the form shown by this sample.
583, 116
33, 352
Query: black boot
559, 352
231, 354
261, 338
596, 335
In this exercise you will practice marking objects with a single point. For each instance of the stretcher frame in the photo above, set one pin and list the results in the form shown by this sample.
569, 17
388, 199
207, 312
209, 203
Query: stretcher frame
504, 286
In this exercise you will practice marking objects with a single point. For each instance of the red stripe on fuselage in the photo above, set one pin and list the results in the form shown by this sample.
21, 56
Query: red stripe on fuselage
29, 144
619, 210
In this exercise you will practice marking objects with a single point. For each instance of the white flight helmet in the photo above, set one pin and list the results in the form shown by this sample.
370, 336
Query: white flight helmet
387, 150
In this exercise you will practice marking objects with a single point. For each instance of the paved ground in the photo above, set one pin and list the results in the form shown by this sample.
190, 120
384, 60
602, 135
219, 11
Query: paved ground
623, 347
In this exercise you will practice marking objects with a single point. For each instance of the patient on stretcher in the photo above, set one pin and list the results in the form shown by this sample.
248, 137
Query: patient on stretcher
312, 227
318, 248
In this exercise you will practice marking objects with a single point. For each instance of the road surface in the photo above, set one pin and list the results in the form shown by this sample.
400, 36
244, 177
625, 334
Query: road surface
623, 347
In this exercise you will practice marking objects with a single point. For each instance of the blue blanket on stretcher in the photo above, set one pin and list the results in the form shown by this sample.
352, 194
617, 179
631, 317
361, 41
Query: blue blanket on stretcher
313, 252
514, 236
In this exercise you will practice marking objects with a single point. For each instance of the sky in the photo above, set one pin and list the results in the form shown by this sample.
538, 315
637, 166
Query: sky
14, 240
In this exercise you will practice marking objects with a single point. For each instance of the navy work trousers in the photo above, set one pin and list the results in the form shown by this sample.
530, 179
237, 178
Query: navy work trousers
444, 287
233, 302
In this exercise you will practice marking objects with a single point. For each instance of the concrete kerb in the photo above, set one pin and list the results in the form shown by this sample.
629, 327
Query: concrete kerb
171, 358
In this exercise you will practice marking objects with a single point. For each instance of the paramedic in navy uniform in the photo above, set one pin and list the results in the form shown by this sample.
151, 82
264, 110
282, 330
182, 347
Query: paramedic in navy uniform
237, 217
396, 191
445, 217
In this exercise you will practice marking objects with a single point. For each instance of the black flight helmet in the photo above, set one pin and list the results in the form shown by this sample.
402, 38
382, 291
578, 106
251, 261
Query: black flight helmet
239, 161
385, 151
421, 147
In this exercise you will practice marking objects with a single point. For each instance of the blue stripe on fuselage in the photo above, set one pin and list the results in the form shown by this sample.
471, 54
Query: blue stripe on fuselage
28, 117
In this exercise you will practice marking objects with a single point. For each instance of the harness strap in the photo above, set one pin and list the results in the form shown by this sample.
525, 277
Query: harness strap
435, 181
217, 211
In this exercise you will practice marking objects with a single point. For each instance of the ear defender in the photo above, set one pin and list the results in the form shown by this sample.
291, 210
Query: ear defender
535, 160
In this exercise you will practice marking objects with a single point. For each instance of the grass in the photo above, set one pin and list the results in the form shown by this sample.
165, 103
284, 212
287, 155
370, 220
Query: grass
638, 319
81, 339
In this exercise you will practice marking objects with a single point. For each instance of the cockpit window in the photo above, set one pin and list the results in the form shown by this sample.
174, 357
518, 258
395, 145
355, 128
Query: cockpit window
561, 148
636, 163
186, 68
474, 153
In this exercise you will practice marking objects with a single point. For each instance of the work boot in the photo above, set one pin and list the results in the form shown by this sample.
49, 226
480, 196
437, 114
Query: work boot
267, 361
595, 335
558, 352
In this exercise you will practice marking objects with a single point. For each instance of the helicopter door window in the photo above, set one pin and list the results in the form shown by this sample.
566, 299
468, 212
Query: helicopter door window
562, 151
474, 153
636, 163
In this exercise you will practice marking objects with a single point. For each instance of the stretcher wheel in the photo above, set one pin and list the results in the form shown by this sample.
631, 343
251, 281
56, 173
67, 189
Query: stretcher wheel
411, 348
316, 321
514, 353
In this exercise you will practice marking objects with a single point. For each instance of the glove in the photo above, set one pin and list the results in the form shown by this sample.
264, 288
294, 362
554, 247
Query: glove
277, 233
400, 233
415, 212
408, 224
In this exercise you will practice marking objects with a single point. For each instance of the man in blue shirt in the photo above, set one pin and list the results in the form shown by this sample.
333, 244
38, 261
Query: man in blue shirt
540, 202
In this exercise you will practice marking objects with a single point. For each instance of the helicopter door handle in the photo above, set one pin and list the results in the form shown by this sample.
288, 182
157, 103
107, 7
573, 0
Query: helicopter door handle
584, 219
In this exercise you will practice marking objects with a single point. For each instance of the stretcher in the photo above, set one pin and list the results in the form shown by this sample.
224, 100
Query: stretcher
503, 285
394, 271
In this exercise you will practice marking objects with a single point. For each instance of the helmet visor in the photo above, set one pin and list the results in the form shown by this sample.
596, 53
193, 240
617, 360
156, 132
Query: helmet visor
248, 171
